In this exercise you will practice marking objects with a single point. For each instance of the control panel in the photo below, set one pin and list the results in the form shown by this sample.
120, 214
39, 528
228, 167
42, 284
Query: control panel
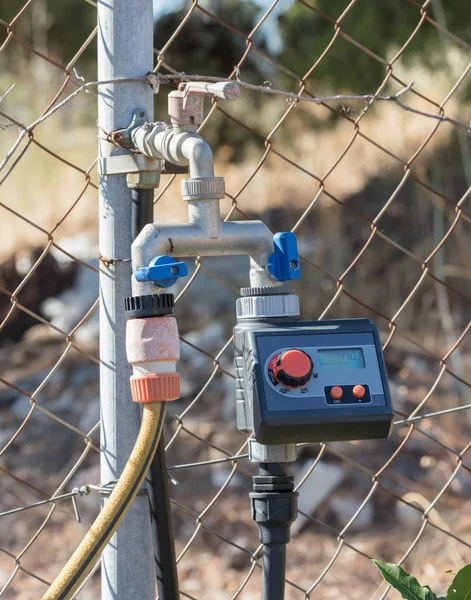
311, 381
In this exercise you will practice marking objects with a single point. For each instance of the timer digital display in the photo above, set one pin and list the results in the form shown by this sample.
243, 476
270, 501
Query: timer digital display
342, 358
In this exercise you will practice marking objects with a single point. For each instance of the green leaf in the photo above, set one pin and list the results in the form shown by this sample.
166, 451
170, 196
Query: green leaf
460, 588
405, 584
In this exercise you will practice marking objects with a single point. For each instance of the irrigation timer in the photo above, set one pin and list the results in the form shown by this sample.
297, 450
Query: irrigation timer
300, 381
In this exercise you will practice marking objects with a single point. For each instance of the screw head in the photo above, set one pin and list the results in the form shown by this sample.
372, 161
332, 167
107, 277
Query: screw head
174, 270
293, 264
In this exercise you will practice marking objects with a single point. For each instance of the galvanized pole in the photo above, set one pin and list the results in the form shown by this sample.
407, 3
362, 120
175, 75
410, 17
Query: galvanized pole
125, 50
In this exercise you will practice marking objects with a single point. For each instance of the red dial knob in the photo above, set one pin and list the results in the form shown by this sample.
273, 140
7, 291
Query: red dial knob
293, 368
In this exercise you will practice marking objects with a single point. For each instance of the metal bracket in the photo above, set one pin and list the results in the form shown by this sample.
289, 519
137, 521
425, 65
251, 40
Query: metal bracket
105, 489
128, 163
122, 137
141, 171
172, 169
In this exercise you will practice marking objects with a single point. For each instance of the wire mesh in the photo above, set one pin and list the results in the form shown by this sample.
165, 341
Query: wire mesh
383, 226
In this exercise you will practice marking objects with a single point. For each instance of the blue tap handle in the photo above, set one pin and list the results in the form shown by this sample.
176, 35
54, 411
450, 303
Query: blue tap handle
163, 271
283, 264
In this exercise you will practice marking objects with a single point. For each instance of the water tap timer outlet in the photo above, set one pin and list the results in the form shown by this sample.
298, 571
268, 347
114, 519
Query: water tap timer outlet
163, 271
310, 381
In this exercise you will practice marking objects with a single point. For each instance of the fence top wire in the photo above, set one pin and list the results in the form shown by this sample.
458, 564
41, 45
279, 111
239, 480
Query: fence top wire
406, 266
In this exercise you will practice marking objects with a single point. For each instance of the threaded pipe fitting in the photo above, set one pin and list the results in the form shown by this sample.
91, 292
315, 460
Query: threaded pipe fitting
203, 188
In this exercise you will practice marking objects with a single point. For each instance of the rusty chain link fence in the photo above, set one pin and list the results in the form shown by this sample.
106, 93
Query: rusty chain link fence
376, 183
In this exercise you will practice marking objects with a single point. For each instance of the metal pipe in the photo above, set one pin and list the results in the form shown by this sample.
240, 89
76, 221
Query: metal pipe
180, 146
197, 152
127, 565
205, 235
184, 146
251, 238
207, 215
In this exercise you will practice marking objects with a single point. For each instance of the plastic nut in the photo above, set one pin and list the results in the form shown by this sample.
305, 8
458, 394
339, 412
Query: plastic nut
155, 388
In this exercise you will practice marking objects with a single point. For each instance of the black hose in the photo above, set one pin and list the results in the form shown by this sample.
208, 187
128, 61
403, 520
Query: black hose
164, 546
142, 213
274, 569
274, 508
142, 210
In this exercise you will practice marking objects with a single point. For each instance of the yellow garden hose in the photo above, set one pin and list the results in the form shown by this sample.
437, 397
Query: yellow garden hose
89, 551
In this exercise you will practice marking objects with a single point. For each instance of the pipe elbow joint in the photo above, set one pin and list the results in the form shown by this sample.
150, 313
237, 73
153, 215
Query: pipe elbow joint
162, 141
199, 155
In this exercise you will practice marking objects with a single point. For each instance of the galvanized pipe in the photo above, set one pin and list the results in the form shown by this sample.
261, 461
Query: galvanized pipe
205, 235
183, 146
206, 214
250, 238
180, 146
125, 42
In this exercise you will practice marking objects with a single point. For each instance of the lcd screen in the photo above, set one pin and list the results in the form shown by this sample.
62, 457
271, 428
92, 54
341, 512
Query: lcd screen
341, 358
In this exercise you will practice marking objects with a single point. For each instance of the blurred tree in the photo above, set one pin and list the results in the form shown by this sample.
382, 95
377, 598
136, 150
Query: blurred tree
305, 28
214, 43
381, 26
205, 46
56, 28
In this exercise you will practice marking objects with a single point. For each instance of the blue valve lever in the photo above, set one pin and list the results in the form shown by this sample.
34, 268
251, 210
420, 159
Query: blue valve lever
283, 264
163, 271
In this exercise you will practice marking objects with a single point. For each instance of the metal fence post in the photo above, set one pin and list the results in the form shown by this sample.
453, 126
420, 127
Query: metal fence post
125, 49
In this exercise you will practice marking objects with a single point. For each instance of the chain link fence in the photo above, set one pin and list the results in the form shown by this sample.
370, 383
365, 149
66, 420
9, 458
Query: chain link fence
376, 184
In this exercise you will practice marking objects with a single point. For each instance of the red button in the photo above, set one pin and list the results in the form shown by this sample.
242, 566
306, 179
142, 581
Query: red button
359, 391
336, 392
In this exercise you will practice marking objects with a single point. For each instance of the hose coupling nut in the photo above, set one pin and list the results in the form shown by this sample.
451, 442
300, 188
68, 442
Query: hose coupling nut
155, 387
153, 349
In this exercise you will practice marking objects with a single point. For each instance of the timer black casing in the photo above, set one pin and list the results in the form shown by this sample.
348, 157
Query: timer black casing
314, 420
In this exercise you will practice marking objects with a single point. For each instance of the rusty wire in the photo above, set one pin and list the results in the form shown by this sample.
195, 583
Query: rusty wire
439, 435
